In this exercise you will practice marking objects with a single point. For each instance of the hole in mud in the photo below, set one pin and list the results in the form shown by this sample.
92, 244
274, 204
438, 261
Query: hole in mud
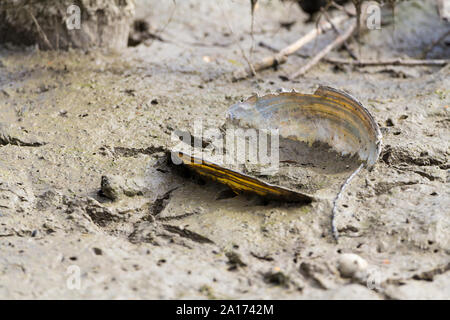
390, 122
141, 25
226, 194
161, 262
385, 157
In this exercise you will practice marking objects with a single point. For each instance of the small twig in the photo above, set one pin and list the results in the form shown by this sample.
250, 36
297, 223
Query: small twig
39, 29
281, 56
273, 49
251, 67
323, 10
335, 28
362, 63
252, 26
338, 196
157, 34
336, 43
390, 62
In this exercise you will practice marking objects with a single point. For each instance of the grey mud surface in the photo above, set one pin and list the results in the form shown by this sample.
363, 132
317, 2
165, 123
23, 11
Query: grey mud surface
70, 118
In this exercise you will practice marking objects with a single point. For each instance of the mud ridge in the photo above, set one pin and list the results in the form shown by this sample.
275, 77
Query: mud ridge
187, 234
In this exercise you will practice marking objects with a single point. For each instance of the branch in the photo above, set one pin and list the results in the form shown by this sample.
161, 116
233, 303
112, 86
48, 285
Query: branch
390, 62
281, 56
362, 63
40, 31
336, 30
336, 43
334, 229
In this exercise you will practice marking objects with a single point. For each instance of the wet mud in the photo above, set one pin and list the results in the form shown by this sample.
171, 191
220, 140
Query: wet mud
85, 185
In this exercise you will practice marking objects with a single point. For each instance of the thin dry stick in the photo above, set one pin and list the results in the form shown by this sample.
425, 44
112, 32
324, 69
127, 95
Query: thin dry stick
334, 229
39, 29
362, 63
252, 26
157, 34
335, 28
390, 62
273, 49
251, 67
281, 57
336, 43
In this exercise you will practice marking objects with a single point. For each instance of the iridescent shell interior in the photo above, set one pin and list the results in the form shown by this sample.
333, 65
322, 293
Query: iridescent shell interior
323, 137
328, 116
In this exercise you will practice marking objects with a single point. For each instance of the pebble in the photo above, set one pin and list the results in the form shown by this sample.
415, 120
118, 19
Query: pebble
350, 264
111, 186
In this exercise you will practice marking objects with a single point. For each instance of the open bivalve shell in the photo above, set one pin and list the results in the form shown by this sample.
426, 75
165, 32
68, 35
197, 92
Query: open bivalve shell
321, 139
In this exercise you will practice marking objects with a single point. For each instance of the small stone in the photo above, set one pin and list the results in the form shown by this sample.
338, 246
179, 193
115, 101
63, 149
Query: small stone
234, 260
111, 187
350, 264
277, 278
43, 88
133, 187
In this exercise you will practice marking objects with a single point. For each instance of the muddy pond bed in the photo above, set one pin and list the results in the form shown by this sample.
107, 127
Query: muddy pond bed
85, 185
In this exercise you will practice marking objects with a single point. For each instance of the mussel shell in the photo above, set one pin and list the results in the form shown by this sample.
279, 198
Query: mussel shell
329, 118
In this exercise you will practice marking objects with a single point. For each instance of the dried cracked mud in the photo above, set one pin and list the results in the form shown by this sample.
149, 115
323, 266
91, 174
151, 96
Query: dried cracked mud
80, 128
